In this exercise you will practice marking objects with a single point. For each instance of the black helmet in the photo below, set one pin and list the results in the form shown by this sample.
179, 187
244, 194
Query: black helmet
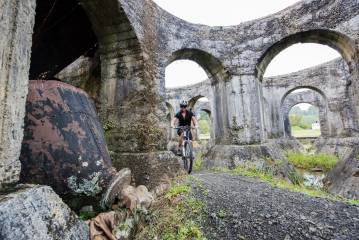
183, 103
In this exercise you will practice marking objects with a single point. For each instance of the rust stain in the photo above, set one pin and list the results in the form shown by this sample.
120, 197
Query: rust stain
63, 139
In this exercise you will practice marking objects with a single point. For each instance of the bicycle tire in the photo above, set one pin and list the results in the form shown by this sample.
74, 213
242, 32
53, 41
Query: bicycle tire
188, 157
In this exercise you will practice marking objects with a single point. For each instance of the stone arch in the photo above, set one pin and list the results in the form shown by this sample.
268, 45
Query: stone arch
211, 65
200, 110
208, 111
91, 33
192, 102
121, 52
312, 96
62, 33
206, 107
319, 91
217, 75
338, 41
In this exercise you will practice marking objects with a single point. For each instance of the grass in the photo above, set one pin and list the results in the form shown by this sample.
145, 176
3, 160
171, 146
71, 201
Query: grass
198, 162
298, 132
310, 161
283, 184
174, 216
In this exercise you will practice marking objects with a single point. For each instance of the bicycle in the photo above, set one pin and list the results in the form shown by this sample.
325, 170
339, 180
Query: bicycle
187, 148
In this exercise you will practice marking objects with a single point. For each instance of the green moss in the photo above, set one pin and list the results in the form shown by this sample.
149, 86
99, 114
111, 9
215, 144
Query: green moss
87, 215
310, 161
282, 183
108, 126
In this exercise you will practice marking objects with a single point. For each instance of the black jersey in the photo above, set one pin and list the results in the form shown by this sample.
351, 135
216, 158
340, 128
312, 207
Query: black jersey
185, 121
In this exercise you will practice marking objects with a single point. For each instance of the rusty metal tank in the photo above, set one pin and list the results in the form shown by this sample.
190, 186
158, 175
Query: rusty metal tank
63, 144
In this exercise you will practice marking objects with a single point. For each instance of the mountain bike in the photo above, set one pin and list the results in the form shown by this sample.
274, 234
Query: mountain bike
187, 148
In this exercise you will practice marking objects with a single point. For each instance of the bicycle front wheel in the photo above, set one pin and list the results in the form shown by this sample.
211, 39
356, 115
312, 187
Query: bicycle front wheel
189, 157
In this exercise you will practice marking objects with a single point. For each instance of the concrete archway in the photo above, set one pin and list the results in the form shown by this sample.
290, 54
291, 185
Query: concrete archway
338, 41
309, 96
62, 33
192, 102
211, 65
217, 75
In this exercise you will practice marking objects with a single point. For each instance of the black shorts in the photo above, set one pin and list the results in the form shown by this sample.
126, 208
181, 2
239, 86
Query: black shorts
179, 132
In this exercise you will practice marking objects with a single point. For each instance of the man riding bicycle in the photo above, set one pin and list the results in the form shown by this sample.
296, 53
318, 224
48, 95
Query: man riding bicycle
184, 118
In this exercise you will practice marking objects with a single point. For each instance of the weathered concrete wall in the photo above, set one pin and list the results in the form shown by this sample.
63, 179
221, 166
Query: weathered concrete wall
16, 23
85, 73
190, 93
137, 40
234, 58
331, 83
327, 88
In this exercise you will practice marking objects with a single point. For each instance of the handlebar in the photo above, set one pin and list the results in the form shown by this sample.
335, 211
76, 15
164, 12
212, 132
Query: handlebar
183, 127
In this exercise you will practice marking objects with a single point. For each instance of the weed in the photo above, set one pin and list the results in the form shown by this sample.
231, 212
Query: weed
174, 216
198, 162
221, 214
282, 183
177, 190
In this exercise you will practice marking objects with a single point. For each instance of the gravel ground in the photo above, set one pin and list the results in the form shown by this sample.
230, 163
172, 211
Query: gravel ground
244, 208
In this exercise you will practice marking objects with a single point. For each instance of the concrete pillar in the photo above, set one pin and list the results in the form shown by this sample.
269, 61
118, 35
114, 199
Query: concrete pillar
244, 110
138, 138
16, 26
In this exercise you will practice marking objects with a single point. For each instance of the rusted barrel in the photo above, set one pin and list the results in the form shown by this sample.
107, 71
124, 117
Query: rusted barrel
63, 144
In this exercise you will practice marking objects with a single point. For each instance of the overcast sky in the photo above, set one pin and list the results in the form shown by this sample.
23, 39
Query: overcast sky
232, 12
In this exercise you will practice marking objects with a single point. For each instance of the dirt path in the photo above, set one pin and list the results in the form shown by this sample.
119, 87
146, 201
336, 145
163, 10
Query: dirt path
244, 208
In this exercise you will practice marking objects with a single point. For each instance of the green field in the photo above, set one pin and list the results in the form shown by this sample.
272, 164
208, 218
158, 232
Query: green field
298, 132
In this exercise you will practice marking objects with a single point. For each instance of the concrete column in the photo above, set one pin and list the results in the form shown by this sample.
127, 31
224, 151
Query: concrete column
220, 112
16, 26
244, 110
273, 116
132, 106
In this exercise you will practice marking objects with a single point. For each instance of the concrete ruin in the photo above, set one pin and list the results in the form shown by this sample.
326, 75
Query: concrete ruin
118, 51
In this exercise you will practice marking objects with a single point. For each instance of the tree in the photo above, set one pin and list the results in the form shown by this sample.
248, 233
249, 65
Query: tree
295, 120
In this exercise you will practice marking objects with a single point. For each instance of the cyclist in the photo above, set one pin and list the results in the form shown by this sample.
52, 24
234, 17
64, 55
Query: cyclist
184, 118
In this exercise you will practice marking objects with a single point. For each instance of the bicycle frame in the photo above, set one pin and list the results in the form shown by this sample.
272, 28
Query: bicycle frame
187, 142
